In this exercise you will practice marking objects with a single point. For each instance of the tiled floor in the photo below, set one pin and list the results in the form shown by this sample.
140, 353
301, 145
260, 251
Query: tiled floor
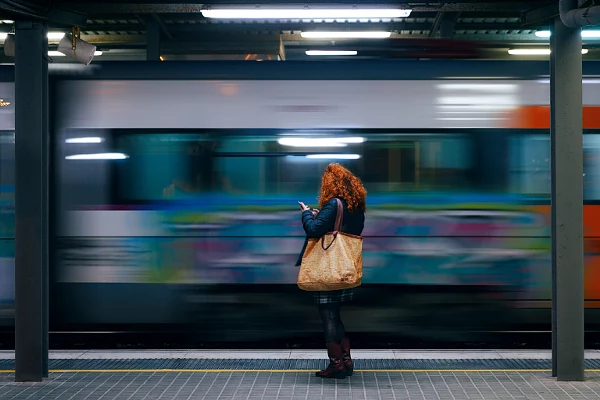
273, 383
299, 385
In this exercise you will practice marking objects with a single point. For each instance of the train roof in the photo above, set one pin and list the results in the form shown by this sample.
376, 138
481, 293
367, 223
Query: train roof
307, 70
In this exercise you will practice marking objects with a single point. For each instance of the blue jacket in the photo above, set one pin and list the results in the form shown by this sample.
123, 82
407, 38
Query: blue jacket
316, 227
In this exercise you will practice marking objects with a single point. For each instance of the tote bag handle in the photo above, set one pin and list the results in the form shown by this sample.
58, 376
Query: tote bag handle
339, 218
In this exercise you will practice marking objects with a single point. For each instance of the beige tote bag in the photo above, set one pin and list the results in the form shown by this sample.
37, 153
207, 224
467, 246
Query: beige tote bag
332, 262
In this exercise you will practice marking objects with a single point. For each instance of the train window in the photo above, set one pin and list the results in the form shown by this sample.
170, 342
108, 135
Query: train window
385, 162
183, 165
7, 183
591, 167
530, 165
7, 222
391, 162
247, 163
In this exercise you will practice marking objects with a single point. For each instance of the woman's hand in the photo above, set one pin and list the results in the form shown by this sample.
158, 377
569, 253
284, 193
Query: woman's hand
315, 212
303, 206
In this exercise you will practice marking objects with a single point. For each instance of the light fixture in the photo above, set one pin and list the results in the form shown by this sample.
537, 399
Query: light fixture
51, 35
481, 87
584, 34
306, 13
8, 21
331, 52
535, 52
54, 53
55, 35
319, 142
584, 81
346, 35
334, 156
590, 34
73, 46
85, 140
98, 156
9, 45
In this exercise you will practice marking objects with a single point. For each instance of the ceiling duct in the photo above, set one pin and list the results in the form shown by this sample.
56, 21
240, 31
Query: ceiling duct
574, 17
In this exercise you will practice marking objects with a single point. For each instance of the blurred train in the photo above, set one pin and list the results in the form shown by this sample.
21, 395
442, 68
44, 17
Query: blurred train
175, 187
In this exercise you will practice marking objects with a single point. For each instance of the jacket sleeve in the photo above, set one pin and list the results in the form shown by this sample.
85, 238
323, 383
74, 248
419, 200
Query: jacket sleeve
323, 223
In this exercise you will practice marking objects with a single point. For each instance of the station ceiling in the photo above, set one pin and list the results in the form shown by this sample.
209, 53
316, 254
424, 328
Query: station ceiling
457, 29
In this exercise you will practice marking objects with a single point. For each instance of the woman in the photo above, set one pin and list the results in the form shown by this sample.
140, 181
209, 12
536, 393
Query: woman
337, 182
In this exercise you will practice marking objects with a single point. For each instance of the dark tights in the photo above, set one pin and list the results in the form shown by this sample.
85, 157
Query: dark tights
332, 322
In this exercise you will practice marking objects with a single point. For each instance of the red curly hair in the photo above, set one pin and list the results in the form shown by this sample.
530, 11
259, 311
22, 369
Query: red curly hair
339, 182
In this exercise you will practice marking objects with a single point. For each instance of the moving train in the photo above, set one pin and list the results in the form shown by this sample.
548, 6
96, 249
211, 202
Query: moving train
174, 193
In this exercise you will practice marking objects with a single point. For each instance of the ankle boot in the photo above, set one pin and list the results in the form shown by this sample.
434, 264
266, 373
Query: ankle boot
336, 368
346, 356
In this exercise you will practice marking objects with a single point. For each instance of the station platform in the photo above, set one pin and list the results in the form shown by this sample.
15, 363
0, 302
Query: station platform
232, 375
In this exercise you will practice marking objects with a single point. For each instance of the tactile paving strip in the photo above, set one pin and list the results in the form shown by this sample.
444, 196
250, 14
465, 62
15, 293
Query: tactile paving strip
298, 364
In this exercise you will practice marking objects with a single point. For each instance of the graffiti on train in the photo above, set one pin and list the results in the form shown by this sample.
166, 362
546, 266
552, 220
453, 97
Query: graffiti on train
414, 247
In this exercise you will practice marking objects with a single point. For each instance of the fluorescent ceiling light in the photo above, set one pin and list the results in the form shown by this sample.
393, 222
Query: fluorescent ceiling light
346, 35
590, 34
305, 13
585, 34
485, 87
334, 156
98, 156
535, 52
85, 140
51, 35
331, 52
584, 81
529, 52
55, 35
8, 21
319, 142
54, 53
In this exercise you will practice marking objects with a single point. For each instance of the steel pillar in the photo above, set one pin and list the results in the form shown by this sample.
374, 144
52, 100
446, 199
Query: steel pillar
31, 208
152, 40
447, 25
567, 203
45, 210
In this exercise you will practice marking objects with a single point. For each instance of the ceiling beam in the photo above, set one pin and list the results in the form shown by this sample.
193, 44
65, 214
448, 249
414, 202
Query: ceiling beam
173, 29
141, 20
194, 7
162, 25
436, 24
449, 24
269, 44
445, 23
540, 15
489, 40
52, 14
115, 39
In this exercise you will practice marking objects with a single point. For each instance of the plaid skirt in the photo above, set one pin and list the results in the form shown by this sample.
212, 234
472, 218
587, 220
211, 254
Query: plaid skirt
334, 296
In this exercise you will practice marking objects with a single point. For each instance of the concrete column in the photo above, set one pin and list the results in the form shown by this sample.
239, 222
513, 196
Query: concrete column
31, 208
567, 203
